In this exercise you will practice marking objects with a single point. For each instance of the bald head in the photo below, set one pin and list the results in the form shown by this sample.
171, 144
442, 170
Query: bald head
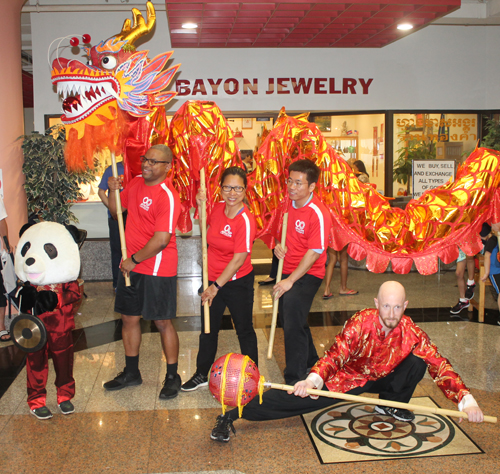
392, 288
391, 304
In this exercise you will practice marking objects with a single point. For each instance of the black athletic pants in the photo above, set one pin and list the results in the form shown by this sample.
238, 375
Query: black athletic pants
237, 295
294, 307
398, 386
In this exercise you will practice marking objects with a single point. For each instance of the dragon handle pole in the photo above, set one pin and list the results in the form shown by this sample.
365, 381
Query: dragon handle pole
119, 214
379, 401
276, 301
203, 215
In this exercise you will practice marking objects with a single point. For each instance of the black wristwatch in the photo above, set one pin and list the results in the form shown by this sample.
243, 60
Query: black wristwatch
217, 285
134, 260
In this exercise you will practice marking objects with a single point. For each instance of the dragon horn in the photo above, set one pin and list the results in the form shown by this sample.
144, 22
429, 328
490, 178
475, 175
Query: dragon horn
139, 27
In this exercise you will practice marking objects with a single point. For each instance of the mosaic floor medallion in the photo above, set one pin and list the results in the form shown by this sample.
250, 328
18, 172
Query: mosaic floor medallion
349, 432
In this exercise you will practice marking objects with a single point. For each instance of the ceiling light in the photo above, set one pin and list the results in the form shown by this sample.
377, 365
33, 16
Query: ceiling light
402, 26
189, 25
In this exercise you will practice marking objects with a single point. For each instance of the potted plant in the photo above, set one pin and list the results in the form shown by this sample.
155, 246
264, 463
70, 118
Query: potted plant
413, 149
492, 138
50, 189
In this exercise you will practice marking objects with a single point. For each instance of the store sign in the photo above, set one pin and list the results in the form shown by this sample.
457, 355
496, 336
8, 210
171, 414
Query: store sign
430, 174
278, 85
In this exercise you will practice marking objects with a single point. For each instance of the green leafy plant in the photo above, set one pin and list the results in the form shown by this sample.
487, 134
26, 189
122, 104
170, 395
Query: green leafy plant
492, 138
414, 149
50, 188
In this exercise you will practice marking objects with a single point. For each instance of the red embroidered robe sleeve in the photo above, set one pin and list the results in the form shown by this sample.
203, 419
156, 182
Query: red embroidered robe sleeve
439, 367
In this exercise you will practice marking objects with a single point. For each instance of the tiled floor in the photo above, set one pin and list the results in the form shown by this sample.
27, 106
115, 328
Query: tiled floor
132, 431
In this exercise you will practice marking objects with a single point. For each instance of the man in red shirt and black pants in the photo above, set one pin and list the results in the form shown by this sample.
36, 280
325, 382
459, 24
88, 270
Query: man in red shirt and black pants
153, 210
378, 351
309, 223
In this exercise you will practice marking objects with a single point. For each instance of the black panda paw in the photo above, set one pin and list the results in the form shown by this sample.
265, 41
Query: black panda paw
28, 295
46, 301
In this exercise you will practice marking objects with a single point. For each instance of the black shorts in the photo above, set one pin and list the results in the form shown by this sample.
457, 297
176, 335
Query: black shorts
495, 281
153, 297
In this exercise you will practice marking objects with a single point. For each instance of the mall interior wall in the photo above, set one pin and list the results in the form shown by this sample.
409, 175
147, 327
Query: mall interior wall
438, 67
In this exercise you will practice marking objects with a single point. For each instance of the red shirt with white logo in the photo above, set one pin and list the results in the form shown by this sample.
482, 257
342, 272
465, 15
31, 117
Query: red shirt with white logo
225, 237
152, 209
308, 228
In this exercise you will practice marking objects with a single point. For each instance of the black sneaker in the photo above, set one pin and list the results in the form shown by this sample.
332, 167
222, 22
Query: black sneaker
122, 380
399, 414
66, 407
171, 387
222, 429
196, 381
459, 307
42, 413
469, 292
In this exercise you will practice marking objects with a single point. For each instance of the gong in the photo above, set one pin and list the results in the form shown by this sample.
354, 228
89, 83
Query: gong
28, 332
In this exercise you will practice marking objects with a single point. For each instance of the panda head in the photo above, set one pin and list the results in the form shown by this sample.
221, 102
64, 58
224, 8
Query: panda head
47, 253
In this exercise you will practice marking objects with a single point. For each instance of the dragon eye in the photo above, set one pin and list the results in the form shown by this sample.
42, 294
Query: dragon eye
108, 62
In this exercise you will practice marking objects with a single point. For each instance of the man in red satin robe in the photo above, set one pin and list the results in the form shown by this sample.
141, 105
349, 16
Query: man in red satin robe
378, 351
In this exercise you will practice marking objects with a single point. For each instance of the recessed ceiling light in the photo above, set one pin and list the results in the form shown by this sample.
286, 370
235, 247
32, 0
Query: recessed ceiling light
405, 26
189, 25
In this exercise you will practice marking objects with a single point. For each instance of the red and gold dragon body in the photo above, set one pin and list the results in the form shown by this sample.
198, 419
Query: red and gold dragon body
117, 101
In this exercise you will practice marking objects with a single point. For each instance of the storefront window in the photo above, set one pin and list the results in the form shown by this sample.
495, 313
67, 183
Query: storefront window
357, 137
430, 136
249, 133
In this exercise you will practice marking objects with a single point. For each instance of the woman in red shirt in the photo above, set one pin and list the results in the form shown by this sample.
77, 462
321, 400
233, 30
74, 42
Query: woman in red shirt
230, 237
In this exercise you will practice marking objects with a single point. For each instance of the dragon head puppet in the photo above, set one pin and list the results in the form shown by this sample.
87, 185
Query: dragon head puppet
116, 100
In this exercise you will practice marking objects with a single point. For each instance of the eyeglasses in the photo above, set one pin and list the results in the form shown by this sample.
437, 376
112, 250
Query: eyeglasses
290, 182
151, 161
236, 189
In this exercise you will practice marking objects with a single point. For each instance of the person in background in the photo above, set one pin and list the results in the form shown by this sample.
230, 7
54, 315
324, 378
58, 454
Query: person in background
466, 290
492, 262
114, 234
230, 237
247, 159
271, 279
343, 258
4, 235
360, 171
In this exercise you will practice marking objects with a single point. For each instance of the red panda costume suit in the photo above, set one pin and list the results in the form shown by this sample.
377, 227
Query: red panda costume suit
47, 256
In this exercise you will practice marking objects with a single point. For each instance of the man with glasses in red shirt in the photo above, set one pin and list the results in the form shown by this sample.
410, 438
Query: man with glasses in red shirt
153, 210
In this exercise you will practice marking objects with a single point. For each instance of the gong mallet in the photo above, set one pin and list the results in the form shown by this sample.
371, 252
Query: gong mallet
119, 214
203, 216
379, 401
276, 301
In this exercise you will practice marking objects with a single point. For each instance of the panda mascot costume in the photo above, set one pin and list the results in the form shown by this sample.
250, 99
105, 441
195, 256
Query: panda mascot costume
47, 260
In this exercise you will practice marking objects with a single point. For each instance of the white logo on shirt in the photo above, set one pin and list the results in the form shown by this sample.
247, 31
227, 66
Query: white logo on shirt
227, 231
299, 226
146, 202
